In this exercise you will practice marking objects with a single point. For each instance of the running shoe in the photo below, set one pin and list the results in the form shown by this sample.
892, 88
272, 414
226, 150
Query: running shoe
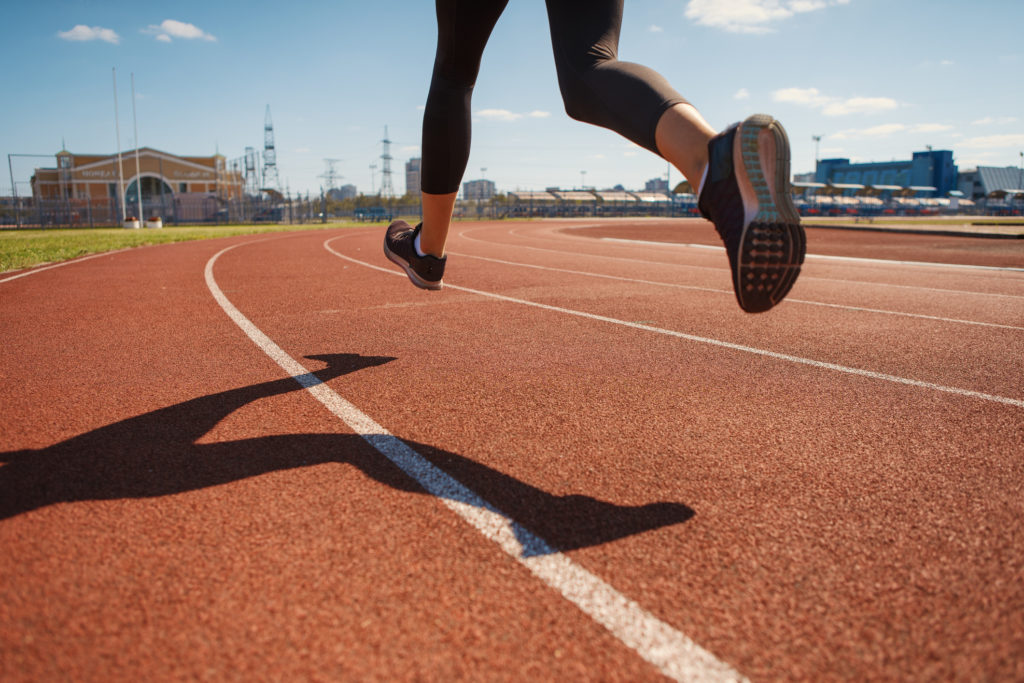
747, 196
399, 246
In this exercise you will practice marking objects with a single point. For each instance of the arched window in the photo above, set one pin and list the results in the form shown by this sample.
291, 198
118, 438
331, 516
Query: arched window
152, 188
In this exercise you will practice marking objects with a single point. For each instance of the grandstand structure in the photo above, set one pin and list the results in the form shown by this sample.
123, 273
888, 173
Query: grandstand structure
930, 171
992, 181
555, 202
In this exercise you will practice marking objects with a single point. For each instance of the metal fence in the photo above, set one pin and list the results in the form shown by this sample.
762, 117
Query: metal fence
172, 210
204, 209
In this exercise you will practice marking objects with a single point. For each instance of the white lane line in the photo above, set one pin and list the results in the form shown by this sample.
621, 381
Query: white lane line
790, 300
804, 277
669, 650
59, 265
824, 257
1019, 403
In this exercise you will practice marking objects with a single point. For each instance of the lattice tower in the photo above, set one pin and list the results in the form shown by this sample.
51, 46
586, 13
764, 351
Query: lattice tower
386, 188
331, 175
270, 180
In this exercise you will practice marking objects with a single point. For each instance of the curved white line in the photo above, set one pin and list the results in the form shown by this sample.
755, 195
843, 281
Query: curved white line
669, 650
789, 300
716, 342
825, 257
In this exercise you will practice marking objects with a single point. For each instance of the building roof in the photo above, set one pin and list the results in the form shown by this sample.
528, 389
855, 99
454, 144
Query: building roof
529, 195
615, 196
651, 196
575, 195
995, 178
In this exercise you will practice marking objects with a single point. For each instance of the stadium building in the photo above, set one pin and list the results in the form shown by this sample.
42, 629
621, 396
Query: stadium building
992, 181
161, 177
931, 172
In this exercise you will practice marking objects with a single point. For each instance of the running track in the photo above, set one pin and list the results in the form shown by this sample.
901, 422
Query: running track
273, 458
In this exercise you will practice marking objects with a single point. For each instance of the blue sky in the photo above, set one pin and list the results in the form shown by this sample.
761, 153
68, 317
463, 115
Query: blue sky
876, 79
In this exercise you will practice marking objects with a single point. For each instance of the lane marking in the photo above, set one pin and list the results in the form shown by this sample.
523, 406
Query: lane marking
674, 654
465, 235
823, 365
58, 265
803, 277
826, 257
729, 291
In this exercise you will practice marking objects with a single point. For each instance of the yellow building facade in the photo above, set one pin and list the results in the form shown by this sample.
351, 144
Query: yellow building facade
160, 175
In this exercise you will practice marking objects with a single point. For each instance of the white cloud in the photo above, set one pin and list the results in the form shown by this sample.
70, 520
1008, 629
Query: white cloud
810, 97
834, 106
171, 28
498, 115
859, 105
989, 121
887, 129
751, 16
742, 94
81, 32
506, 116
1011, 141
654, 28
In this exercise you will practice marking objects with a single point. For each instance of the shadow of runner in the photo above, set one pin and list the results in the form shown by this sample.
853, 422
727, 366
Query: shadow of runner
156, 454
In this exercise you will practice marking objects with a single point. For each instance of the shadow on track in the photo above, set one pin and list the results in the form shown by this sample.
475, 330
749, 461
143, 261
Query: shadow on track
156, 454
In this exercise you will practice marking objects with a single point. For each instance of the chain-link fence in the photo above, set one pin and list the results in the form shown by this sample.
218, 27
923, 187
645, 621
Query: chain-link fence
205, 209
172, 210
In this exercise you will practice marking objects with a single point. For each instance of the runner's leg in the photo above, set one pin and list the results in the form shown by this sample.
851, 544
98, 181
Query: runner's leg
463, 27
631, 99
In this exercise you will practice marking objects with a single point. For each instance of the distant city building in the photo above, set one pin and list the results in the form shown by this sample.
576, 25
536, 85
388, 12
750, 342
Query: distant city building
342, 193
984, 181
412, 177
929, 171
478, 189
96, 176
656, 185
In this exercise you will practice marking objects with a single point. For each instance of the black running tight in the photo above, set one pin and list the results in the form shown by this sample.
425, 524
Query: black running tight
596, 87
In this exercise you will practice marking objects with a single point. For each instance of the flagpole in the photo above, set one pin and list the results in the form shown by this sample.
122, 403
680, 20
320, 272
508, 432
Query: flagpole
138, 172
120, 169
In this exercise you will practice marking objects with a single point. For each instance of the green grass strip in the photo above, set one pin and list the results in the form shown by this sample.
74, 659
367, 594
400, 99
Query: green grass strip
26, 248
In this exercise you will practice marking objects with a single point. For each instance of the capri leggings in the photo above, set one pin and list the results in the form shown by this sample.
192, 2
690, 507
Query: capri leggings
596, 87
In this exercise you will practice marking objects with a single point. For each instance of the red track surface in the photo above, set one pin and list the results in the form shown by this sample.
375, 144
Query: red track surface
174, 505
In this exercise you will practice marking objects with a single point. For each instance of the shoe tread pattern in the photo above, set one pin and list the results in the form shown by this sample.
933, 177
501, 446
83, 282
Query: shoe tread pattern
773, 245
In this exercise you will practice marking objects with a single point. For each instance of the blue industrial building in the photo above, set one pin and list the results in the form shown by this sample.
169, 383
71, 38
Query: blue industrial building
930, 173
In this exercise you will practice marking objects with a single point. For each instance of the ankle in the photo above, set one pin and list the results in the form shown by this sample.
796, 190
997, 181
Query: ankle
427, 242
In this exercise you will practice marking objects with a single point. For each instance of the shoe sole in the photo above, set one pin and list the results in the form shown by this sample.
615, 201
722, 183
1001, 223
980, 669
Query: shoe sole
773, 243
413, 277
